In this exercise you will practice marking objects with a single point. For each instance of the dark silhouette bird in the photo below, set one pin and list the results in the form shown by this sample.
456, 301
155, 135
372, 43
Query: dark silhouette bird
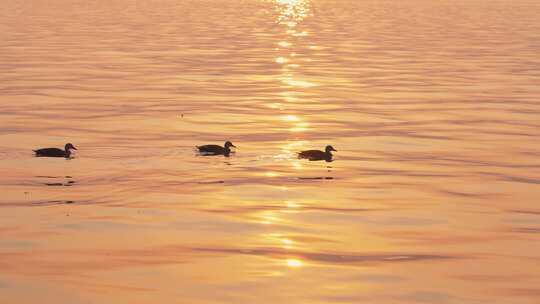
55, 152
314, 155
216, 149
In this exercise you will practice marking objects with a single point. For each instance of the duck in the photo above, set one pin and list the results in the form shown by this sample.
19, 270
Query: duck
55, 152
216, 149
315, 155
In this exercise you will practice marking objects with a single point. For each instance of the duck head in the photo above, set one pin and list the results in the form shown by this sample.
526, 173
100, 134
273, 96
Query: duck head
229, 144
329, 149
69, 147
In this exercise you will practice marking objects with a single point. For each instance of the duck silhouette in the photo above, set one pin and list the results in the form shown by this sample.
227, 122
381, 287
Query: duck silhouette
55, 152
314, 155
216, 149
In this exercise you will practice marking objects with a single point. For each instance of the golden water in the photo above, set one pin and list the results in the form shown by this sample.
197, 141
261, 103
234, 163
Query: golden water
433, 197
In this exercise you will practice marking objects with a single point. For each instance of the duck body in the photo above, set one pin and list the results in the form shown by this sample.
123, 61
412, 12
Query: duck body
315, 155
212, 149
216, 149
55, 152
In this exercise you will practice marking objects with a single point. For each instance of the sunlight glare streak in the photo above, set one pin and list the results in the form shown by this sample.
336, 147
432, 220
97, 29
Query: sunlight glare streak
284, 44
271, 174
290, 118
294, 263
292, 11
282, 60
291, 204
298, 83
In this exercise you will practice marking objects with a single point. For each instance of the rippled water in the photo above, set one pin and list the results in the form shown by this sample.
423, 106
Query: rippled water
433, 196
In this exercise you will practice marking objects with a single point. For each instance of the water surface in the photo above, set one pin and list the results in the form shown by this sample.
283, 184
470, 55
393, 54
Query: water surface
433, 196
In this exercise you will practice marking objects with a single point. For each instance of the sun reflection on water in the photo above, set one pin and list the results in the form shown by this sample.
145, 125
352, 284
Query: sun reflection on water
282, 60
287, 242
291, 204
271, 174
284, 44
298, 83
294, 263
293, 11
291, 118
289, 56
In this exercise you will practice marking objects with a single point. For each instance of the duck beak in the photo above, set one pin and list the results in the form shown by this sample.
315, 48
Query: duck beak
334, 150
73, 147
233, 146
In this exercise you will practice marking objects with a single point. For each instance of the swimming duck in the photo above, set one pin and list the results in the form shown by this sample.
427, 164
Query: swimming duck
216, 149
318, 154
55, 152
